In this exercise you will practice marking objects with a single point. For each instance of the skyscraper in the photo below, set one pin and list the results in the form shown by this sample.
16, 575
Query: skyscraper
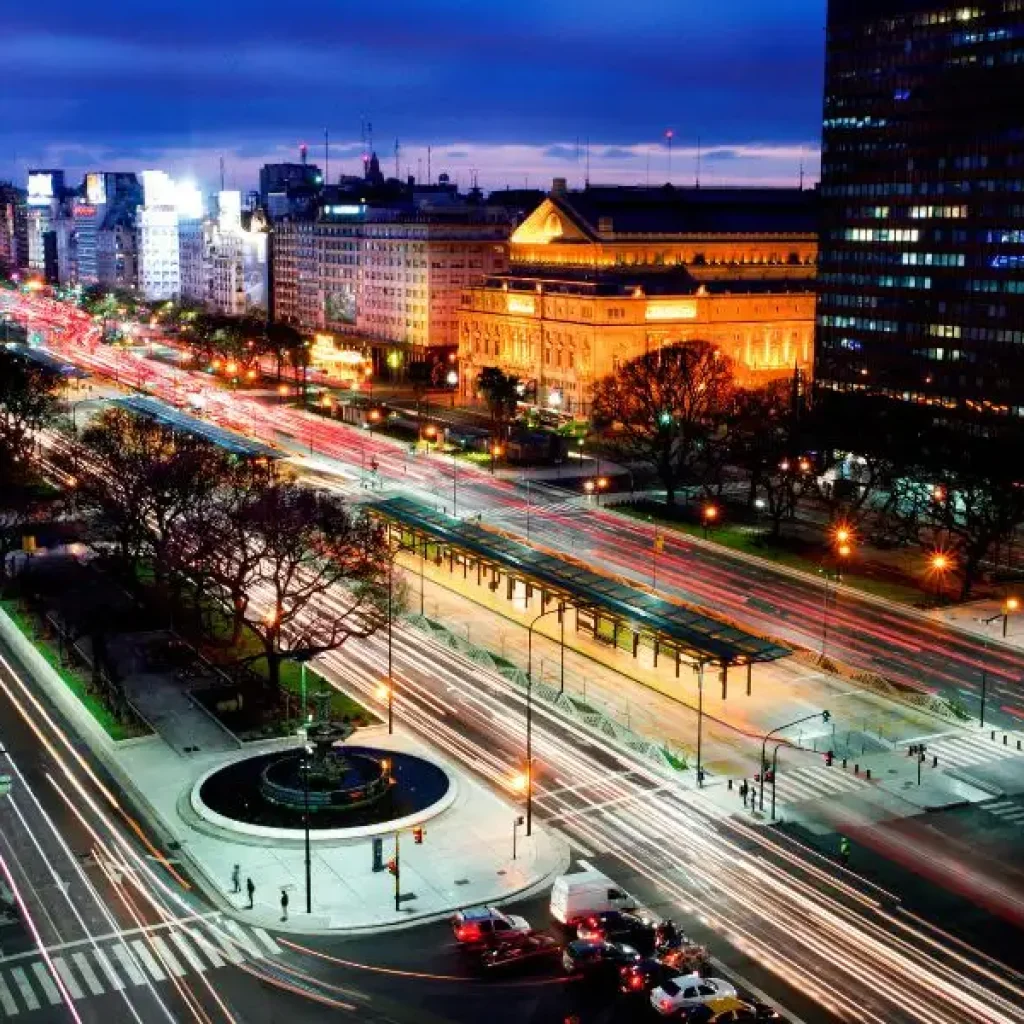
921, 278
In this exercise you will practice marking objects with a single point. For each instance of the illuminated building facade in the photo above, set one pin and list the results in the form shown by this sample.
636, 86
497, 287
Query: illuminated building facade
46, 194
922, 260
601, 276
13, 227
389, 278
166, 202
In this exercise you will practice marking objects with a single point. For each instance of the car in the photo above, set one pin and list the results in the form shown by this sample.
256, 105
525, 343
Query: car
686, 958
598, 960
686, 991
530, 951
729, 1010
619, 926
482, 927
639, 978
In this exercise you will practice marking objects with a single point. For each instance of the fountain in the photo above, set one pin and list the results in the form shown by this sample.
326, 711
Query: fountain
325, 783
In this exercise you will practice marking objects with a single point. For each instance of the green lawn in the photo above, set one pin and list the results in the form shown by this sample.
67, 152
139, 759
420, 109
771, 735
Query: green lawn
76, 680
754, 541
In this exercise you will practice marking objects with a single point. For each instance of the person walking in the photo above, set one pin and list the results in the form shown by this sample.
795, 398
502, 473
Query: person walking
284, 905
236, 879
250, 889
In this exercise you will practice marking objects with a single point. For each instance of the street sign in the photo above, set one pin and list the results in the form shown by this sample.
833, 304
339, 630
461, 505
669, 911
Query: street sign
5, 785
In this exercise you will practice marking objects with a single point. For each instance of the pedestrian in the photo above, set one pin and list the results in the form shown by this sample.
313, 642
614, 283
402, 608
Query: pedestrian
236, 879
844, 850
284, 905
250, 889
743, 791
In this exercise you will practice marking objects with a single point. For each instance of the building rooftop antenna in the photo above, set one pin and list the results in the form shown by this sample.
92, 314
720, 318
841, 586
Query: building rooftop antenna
398, 149
697, 176
586, 181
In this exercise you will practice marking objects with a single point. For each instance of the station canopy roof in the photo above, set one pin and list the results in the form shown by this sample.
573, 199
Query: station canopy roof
154, 409
697, 635
43, 358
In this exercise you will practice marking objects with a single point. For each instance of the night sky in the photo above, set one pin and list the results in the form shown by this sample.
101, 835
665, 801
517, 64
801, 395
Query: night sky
505, 89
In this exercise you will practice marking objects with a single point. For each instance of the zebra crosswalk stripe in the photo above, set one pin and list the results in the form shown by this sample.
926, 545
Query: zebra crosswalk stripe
143, 953
88, 974
60, 965
243, 940
7, 1003
127, 961
46, 983
207, 947
187, 952
28, 995
108, 970
265, 938
167, 958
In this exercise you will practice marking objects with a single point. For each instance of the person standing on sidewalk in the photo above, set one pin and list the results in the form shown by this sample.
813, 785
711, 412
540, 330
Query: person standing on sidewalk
250, 889
284, 905
236, 879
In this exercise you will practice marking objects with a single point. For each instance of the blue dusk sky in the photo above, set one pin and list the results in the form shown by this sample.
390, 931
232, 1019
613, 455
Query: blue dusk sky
509, 91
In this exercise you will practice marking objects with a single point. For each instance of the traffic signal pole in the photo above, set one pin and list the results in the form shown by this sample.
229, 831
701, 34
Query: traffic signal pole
398, 875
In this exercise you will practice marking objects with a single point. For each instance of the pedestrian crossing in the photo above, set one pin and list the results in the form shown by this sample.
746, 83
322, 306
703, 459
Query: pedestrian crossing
797, 785
963, 751
134, 959
1007, 810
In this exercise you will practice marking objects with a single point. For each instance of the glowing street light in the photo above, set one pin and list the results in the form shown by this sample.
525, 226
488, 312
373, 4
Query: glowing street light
939, 564
1010, 605
519, 782
709, 515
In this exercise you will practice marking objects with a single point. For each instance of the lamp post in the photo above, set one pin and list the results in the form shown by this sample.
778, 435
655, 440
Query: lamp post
775, 772
1011, 604
455, 484
453, 382
824, 715
305, 822
560, 608
709, 515
700, 719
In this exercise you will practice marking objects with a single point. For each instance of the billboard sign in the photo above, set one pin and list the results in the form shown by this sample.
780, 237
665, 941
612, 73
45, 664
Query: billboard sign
40, 188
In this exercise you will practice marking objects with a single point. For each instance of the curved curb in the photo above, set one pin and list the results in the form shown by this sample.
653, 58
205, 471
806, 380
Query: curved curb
335, 835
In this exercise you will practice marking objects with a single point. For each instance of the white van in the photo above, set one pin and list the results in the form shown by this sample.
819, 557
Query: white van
586, 892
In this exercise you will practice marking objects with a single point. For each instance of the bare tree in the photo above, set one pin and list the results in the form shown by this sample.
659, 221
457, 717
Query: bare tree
666, 407
322, 575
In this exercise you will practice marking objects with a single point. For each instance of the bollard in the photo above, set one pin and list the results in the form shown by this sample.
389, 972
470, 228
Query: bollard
867, 773
1005, 738
856, 769
844, 762
993, 734
730, 784
1018, 744
935, 760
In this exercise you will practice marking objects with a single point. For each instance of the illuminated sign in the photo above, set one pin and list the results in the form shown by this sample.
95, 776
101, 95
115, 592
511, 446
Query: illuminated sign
521, 304
346, 210
81, 210
96, 189
40, 189
671, 311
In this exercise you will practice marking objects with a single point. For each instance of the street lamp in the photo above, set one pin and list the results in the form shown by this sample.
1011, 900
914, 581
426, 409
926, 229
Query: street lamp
560, 609
1011, 604
709, 515
825, 717
939, 564
601, 483
496, 452
453, 380
700, 720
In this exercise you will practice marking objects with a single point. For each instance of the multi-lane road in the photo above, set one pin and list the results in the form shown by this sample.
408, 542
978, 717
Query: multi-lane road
818, 940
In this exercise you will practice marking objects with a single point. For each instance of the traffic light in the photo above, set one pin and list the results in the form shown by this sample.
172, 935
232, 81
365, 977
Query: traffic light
826, 716
393, 866
417, 835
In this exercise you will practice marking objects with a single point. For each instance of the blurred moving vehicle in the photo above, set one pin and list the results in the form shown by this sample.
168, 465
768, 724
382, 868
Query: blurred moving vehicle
730, 1010
645, 974
598, 961
481, 927
619, 926
687, 991
528, 952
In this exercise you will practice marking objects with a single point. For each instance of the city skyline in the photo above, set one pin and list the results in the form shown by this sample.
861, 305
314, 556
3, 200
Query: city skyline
207, 84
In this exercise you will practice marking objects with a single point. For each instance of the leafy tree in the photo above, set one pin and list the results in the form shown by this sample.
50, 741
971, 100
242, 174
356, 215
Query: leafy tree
665, 407
28, 402
322, 570
283, 341
501, 393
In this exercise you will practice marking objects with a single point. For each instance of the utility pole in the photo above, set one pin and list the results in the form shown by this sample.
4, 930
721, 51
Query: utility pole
398, 875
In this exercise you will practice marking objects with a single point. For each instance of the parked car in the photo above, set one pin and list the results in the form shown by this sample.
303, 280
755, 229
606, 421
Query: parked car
688, 991
582, 893
639, 978
619, 926
598, 961
483, 927
729, 1010
530, 951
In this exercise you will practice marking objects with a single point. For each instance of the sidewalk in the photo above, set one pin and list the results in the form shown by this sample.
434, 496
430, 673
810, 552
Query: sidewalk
465, 859
970, 618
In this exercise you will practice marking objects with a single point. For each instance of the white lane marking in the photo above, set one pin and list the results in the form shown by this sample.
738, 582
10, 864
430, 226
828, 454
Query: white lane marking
7, 1003
86, 971
265, 938
46, 983
128, 965
243, 939
167, 958
28, 996
108, 969
139, 947
229, 948
187, 952
70, 981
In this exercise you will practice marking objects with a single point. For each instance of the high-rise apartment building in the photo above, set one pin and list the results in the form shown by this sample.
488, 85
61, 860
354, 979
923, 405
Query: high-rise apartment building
46, 195
165, 203
13, 227
921, 272
387, 277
